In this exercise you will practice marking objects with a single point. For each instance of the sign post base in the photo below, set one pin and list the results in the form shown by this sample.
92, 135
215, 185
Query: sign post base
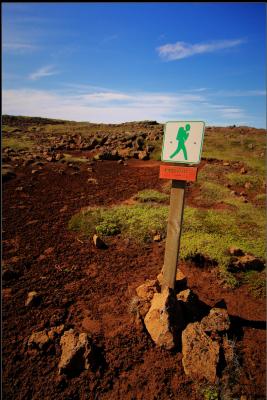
174, 229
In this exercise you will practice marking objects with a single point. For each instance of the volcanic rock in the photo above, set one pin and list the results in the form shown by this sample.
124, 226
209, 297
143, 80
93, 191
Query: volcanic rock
39, 340
76, 351
157, 238
98, 242
164, 319
217, 321
246, 262
143, 155
248, 185
8, 273
7, 172
33, 299
200, 353
235, 251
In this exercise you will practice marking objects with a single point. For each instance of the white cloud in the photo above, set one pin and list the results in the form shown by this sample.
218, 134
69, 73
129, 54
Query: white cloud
240, 93
19, 47
115, 107
179, 50
42, 72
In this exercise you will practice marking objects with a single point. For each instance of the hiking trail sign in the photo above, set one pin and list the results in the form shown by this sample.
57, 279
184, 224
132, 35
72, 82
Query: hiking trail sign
182, 142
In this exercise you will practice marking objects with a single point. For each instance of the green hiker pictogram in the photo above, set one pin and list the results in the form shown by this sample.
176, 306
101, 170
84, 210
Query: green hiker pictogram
182, 137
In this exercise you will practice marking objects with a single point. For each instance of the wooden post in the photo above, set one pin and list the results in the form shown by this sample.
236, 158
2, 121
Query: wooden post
174, 229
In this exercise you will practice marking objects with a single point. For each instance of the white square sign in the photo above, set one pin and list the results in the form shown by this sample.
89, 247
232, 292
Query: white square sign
182, 142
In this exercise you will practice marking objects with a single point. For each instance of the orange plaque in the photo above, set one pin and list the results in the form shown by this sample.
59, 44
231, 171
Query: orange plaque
178, 173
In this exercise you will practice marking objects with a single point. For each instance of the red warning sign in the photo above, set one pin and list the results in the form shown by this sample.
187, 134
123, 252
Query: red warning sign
178, 173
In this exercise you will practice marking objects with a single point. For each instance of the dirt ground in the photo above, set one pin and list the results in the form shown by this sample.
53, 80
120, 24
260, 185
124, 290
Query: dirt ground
91, 290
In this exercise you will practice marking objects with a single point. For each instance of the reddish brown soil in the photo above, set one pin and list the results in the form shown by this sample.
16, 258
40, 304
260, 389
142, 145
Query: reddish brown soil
87, 288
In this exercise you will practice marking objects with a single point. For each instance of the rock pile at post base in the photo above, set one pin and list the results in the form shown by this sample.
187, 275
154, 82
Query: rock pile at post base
204, 343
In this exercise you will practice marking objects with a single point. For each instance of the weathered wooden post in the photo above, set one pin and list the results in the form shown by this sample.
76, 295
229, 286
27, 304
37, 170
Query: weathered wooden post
182, 144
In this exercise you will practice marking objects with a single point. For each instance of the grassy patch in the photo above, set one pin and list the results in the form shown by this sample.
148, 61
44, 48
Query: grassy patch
212, 193
17, 143
260, 197
209, 232
212, 232
237, 179
150, 195
257, 283
140, 222
234, 146
210, 393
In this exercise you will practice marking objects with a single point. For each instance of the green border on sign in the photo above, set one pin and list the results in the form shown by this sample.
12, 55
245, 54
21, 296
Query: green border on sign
183, 162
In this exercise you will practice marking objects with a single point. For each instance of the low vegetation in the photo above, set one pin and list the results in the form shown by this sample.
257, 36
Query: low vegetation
257, 283
17, 143
139, 222
208, 232
150, 195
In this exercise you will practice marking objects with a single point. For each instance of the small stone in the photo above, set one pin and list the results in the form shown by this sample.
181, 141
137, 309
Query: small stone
7, 172
33, 299
35, 171
8, 274
120, 161
143, 155
98, 242
39, 340
218, 320
59, 156
248, 185
49, 250
76, 351
233, 193
251, 146
200, 353
235, 251
226, 164
92, 181
157, 238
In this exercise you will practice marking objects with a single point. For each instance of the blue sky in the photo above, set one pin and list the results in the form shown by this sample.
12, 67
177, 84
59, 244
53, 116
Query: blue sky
117, 62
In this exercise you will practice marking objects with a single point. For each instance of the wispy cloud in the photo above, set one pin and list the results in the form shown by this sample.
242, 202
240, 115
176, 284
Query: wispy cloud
116, 106
43, 72
19, 47
240, 93
109, 38
179, 50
